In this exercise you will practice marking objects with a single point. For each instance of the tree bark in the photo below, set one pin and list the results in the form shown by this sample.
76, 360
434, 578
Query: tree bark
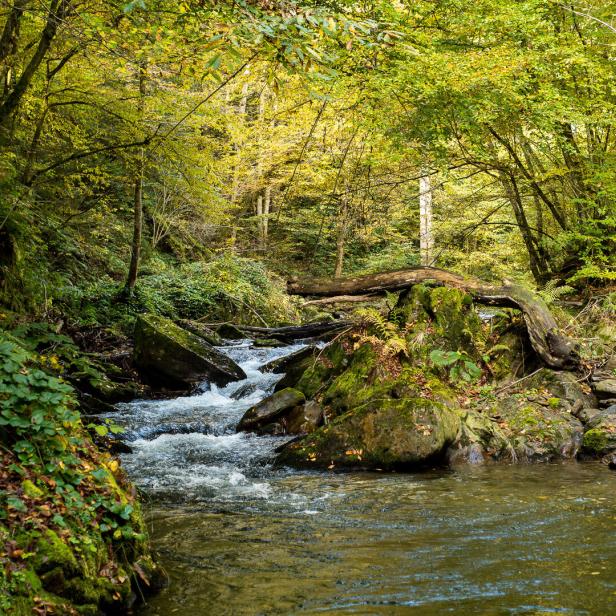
554, 348
341, 234
57, 12
267, 206
426, 239
538, 265
135, 255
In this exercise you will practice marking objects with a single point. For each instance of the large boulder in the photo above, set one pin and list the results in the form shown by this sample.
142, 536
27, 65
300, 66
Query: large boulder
384, 434
266, 412
169, 356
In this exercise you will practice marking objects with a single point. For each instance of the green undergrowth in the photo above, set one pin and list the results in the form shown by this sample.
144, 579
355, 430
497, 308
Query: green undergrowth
226, 288
72, 536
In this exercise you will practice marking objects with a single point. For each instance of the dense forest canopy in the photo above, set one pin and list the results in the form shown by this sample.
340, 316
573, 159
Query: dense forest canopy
140, 135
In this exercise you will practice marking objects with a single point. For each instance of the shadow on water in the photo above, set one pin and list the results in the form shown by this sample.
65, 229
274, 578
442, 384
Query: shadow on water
239, 537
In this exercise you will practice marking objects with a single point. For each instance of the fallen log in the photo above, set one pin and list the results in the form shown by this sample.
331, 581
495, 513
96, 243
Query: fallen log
339, 299
296, 332
554, 348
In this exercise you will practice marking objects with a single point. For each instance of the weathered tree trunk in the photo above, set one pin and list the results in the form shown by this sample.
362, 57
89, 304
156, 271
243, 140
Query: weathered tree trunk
341, 234
426, 238
555, 349
135, 255
267, 206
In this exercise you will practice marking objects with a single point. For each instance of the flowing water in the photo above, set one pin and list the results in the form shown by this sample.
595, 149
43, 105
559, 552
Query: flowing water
240, 537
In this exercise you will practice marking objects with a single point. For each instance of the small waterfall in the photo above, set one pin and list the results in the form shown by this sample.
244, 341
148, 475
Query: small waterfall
186, 449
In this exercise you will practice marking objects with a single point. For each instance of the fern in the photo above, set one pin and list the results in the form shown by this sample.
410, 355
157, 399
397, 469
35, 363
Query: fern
387, 334
551, 292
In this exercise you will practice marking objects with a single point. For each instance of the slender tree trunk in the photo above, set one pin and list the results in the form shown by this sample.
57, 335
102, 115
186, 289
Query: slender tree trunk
259, 221
57, 12
135, 255
27, 174
341, 235
426, 237
8, 45
267, 206
235, 186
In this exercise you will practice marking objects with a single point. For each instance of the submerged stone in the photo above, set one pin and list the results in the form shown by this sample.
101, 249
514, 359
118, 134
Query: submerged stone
168, 355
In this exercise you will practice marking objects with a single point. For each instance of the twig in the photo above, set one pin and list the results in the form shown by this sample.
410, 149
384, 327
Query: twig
498, 391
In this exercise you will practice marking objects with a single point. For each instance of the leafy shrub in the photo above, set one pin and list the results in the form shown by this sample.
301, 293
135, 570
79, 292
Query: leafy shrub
42, 430
225, 288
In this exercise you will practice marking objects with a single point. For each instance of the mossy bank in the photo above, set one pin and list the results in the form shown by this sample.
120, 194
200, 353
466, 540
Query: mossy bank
72, 535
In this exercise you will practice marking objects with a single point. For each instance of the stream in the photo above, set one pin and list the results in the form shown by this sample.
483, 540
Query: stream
238, 536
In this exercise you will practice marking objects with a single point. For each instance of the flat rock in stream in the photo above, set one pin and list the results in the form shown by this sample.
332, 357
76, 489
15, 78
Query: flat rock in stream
269, 409
169, 356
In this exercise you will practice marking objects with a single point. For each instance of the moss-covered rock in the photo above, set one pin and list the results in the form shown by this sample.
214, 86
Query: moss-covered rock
256, 418
382, 434
288, 362
563, 386
168, 355
600, 436
480, 439
329, 363
201, 330
230, 332
538, 432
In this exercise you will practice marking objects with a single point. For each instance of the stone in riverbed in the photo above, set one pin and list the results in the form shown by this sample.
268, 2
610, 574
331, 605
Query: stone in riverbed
384, 433
606, 388
230, 332
169, 356
480, 439
282, 364
539, 433
304, 419
269, 409
600, 436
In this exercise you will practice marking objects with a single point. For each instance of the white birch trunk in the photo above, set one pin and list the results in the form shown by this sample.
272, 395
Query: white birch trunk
426, 237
